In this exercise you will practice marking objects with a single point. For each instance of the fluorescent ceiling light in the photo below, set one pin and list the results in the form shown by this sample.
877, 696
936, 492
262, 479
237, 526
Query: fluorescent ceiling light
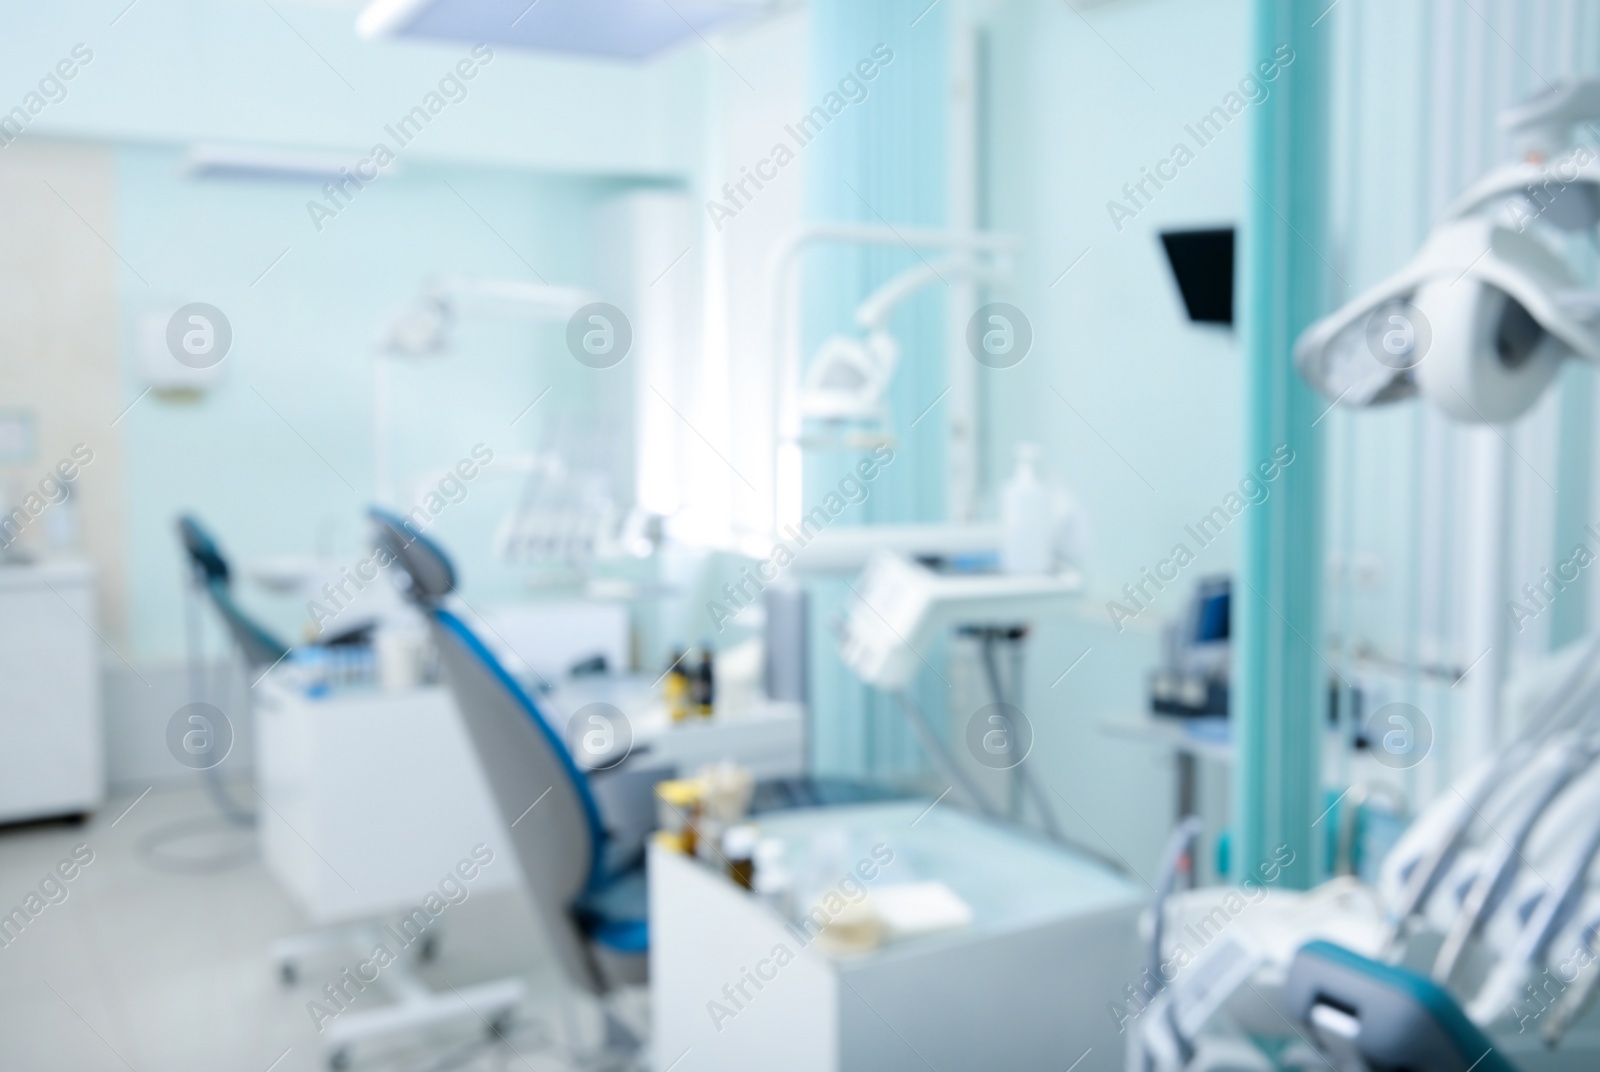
208, 161
617, 29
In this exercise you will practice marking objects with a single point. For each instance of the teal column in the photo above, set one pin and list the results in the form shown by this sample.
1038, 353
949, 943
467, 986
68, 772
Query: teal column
880, 160
1280, 678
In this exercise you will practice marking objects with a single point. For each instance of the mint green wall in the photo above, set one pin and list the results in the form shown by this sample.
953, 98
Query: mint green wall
302, 343
1069, 120
1155, 439
169, 73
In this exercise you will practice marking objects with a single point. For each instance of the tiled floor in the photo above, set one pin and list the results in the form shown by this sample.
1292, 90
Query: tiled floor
141, 968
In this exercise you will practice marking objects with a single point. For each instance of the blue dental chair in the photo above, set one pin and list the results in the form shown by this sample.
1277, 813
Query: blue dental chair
1367, 1014
588, 894
211, 575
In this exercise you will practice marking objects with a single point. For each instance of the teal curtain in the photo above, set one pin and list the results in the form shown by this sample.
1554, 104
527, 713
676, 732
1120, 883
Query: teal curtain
1280, 675
880, 161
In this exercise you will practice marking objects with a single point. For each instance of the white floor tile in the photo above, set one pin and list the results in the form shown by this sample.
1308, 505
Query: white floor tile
143, 969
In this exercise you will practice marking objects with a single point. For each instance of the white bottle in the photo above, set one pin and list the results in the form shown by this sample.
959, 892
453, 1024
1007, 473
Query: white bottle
773, 883
1025, 517
61, 523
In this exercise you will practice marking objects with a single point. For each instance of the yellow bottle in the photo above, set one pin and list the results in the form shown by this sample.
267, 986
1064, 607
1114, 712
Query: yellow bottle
675, 690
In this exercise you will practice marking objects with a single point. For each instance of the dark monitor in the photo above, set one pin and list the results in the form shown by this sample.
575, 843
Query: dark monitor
1213, 606
1202, 263
1214, 614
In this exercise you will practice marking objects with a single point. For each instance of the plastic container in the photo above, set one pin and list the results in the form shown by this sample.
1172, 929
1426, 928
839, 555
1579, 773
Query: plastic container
773, 883
1025, 517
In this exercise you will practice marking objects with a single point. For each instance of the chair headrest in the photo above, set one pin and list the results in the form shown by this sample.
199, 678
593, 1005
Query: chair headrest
1399, 1019
204, 555
427, 570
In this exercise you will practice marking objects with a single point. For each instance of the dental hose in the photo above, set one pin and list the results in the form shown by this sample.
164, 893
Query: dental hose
1561, 709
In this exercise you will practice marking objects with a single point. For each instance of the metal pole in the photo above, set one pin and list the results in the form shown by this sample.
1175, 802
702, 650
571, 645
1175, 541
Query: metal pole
941, 755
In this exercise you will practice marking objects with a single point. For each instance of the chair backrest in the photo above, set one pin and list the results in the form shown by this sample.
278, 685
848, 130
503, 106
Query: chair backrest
550, 814
426, 575
204, 554
258, 646
1387, 1016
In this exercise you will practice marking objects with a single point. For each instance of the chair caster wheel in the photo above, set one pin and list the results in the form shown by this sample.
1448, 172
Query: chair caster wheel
288, 973
500, 1025
428, 951
339, 1060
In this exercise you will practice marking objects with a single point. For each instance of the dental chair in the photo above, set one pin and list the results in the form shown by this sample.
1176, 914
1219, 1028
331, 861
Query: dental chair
412, 1006
210, 579
1367, 1016
210, 575
589, 897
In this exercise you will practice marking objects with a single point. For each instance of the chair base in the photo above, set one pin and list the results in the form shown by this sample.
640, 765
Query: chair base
413, 1007
622, 969
619, 1049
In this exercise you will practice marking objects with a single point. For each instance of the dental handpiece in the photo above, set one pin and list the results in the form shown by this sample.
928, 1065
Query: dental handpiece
1552, 912
1578, 995
1562, 708
1492, 883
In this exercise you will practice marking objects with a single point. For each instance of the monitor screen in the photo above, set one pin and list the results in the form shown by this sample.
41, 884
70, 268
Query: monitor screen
1202, 263
1213, 605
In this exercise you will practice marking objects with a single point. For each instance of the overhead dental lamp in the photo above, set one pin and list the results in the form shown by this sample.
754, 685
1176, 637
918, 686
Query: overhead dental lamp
1481, 318
849, 376
422, 328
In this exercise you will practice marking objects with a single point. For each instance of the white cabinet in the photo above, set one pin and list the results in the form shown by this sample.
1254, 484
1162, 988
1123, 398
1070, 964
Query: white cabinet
370, 798
1053, 940
52, 747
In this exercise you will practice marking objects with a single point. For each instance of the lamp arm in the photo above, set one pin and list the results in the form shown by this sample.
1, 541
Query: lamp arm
1542, 124
1539, 181
874, 313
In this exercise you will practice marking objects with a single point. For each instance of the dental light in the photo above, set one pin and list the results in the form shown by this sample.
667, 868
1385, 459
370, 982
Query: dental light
847, 379
1480, 319
422, 329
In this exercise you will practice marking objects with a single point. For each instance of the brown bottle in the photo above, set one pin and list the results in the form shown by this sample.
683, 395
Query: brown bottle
704, 687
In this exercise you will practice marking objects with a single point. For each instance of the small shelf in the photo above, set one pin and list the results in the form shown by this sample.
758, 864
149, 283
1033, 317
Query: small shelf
1207, 738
